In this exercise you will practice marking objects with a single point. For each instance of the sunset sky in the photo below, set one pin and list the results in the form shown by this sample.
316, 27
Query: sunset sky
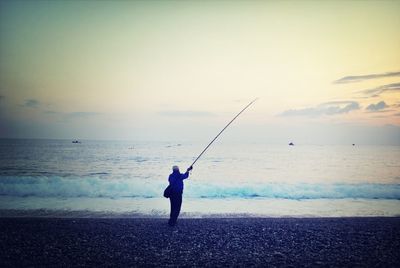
325, 71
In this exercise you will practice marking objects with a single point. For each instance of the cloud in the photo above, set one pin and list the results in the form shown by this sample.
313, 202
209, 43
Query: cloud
63, 115
51, 112
377, 107
31, 103
186, 113
359, 78
375, 92
327, 108
81, 114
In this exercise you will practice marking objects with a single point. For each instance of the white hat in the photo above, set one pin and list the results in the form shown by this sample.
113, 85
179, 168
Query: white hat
175, 168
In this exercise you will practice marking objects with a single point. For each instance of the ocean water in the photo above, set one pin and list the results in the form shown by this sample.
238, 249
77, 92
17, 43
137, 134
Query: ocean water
127, 178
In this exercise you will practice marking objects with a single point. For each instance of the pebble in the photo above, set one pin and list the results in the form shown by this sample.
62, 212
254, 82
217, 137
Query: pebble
239, 242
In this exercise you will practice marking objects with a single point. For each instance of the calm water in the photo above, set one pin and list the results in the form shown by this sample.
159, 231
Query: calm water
57, 177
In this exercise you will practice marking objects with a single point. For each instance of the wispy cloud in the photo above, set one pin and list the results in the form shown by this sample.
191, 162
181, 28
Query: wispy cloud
375, 92
81, 114
71, 116
359, 78
327, 108
377, 107
34, 103
31, 103
186, 113
51, 112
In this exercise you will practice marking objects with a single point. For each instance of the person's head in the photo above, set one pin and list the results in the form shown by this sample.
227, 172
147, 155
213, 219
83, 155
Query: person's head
175, 169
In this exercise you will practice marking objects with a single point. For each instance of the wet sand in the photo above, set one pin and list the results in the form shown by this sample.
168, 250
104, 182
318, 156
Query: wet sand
214, 242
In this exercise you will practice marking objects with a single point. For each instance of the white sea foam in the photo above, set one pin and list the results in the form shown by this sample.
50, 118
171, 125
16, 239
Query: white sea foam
94, 187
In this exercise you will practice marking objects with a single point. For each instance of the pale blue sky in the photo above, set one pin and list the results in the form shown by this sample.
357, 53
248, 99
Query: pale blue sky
325, 72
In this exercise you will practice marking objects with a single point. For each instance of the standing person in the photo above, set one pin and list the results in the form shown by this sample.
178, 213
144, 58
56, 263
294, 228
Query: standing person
176, 183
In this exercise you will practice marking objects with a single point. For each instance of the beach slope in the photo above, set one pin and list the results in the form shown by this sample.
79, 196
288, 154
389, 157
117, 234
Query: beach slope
258, 242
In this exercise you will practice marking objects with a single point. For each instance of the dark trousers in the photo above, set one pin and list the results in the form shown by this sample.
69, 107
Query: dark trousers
176, 202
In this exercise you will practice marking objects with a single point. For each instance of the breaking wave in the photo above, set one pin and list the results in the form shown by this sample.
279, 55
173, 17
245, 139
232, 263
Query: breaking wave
65, 187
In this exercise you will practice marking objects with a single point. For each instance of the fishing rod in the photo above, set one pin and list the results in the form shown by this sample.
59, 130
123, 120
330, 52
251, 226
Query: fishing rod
205, 149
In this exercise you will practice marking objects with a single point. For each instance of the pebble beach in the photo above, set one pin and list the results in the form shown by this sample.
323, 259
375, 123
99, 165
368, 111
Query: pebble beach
204, 242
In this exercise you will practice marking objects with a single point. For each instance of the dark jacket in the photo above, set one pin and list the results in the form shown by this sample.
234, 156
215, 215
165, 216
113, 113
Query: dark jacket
176, 181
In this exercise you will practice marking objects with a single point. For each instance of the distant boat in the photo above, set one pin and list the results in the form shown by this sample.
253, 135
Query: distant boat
76, 141
291, 144
354, 144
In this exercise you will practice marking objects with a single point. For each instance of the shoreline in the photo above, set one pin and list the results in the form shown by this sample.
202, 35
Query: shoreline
210, 242
81, 214
196, 208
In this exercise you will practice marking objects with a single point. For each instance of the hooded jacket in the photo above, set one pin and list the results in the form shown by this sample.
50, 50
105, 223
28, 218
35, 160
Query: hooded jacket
176, 181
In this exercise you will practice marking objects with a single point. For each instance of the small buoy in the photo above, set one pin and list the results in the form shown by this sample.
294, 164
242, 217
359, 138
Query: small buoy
291, 144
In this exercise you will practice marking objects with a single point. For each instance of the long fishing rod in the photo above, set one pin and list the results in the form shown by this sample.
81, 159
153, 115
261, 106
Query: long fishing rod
205, 149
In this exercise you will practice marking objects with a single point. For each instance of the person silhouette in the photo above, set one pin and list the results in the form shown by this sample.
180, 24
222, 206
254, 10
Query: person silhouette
176, 183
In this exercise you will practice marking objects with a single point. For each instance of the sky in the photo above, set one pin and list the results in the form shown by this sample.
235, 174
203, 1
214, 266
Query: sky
324, 71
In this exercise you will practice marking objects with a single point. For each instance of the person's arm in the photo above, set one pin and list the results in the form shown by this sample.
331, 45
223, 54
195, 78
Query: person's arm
186, 174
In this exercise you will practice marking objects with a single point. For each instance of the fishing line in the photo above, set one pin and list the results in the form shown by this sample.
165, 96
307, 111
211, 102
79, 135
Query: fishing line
205, 149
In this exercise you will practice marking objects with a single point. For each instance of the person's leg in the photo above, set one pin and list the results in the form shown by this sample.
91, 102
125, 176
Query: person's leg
172, 201
176, 202
178, 205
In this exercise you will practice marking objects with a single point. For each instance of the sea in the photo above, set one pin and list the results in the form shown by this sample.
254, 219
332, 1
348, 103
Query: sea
58, 178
